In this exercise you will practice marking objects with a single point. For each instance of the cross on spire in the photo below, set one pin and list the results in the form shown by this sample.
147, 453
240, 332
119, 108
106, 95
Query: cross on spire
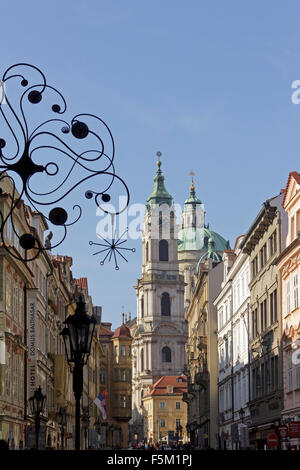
192, 174
158, 154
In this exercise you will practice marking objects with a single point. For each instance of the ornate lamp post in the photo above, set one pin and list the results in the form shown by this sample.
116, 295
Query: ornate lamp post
62, 420
85, 423
37, 405
77, 336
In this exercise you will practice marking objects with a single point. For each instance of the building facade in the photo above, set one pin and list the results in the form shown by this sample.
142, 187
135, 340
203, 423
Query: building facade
263, 243
288, 264
160, 332
165, 412
115, 384
233, 351
202, 352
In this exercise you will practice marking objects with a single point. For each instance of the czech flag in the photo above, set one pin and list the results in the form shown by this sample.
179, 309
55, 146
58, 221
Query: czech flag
100, 401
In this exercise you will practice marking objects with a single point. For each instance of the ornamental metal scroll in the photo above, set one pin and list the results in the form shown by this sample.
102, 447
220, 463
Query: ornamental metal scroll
26, 156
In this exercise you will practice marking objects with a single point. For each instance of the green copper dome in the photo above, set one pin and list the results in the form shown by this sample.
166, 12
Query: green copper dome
210, 254
159, 194
193, 238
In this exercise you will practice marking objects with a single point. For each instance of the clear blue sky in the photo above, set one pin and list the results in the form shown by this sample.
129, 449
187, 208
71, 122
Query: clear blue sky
206, 82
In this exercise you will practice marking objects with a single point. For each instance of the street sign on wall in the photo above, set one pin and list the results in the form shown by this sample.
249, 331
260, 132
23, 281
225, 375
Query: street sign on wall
272, 440
283, 432
294, 429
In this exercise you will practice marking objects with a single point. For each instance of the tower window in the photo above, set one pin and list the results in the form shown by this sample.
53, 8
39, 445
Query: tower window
147, 251
163, 250
166, 354
165, 304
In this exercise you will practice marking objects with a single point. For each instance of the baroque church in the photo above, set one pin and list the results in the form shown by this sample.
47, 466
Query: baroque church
170, 257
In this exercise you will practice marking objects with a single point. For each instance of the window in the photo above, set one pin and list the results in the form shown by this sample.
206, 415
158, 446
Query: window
296, 300
147, 251
263, 256
116, 401
129, 351
292, 229
177, 422
288, 298
166, 354
273, 306
123, 350
123, 375
163, 250
116, 375
165, 304
122, 401
221, 317
162, 423
297, 375
263, 315
15, 301
290, 374
104, 349
116, 350
162, 405
255, 267
178, 405
273, 243
254, 323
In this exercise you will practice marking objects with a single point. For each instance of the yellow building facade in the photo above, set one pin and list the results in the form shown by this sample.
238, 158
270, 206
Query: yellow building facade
164, 411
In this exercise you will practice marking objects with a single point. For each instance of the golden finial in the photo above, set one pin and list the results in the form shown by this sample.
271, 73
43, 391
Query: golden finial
158, 161
192, 174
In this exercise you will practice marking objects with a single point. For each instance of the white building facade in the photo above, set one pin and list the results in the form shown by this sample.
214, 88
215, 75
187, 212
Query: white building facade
233, 350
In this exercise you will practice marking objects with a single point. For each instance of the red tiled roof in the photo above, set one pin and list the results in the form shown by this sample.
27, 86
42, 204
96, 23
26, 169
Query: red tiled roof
122, 331
161, 386
105, 331
296, 176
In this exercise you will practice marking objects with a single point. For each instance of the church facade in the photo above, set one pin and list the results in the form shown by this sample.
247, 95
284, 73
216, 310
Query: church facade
169, 258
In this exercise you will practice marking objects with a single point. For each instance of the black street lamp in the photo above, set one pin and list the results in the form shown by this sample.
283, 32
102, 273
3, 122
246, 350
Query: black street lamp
77, 336
37, 405
62, 420
85, 423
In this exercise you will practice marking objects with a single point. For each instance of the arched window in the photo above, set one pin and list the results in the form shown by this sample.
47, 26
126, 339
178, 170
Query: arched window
166, 354
163, 250
147, 251
165, 304
142, 360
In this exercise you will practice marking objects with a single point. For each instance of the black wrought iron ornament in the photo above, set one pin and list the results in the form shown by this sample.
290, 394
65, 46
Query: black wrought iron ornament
113, 247
24, 151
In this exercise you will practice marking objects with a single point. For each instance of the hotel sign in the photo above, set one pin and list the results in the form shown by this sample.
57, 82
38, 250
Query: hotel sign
32, 339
